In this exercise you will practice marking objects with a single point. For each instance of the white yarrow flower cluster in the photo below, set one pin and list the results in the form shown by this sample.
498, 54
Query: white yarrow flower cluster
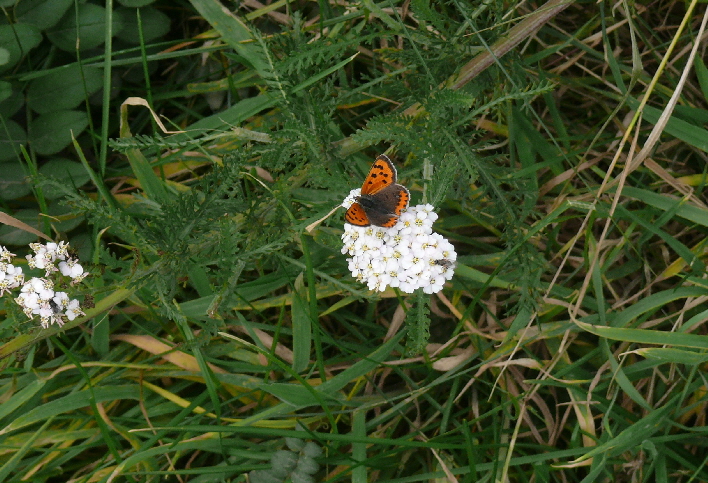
37, 295
10, 276
408, 255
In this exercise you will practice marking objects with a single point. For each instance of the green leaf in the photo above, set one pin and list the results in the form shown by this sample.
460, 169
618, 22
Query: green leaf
302, 331
234, 32
62, 218
43, 14
702, 75
682, 250
135, 3
63, 89
51, 132
12, 135
367, 364
643, 336
151, 183
232, 116
13, 183
418, 324
20, 397
83, 244
687, 132
72, 402
653, 302
155, 24
91, 28
5, 88
633, 435
12, 104
65, 171
293, 394
18, 39
677, 356
668, 202
4, 56
300, 396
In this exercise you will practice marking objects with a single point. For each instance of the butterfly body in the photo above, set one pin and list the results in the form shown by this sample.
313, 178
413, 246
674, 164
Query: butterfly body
382, 200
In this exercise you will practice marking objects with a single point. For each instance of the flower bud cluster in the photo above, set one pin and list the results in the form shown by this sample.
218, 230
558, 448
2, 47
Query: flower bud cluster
37, 295
408, 255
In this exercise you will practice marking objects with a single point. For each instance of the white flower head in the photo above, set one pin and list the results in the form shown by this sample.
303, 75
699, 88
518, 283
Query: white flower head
5, 255
72, 268
408, 255
37, 296
61, 300
42, 287
62, 250
351, 198
44, 257
73, 310
10, 277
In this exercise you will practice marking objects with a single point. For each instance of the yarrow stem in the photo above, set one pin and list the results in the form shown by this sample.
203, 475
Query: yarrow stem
409, 255
37, 295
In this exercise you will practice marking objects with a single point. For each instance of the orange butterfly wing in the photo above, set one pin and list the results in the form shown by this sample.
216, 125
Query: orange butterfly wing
382, 200
391, 222
381, 175
356, 215
404, 197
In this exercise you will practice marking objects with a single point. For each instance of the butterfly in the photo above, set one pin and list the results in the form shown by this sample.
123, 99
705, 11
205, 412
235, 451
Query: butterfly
382, 200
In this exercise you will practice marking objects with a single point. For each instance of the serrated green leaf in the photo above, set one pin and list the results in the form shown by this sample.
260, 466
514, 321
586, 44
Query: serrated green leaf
284, 460
263, 476
307, 465
301, 477
313, 450
295, 444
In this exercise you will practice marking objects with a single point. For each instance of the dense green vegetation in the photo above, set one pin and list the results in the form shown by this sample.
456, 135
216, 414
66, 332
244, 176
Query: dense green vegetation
192, 156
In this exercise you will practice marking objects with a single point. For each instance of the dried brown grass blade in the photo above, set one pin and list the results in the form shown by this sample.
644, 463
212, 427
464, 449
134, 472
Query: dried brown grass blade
12, 221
